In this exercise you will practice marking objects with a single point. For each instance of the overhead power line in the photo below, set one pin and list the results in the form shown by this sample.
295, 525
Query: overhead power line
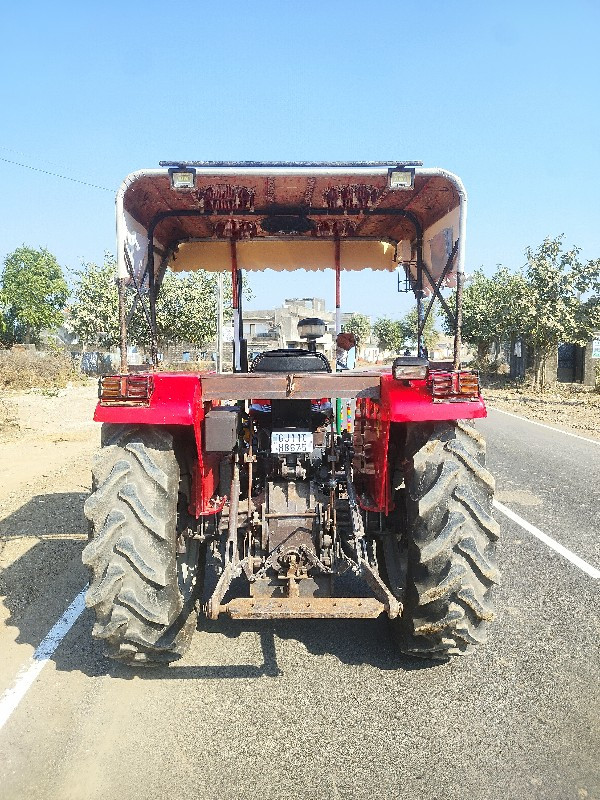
56, 174
29, 157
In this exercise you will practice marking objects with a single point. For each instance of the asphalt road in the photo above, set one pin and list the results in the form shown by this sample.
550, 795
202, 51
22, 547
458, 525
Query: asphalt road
324, 709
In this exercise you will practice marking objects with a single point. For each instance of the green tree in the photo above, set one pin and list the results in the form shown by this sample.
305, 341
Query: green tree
542, 303
360, 326
494, 308
33, 293
94, 313
555, 313
185, 308
3, 320
391, 333
431, 335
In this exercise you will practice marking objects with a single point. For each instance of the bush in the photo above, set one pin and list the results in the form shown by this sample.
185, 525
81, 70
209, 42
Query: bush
30, 369
183, 366
490, 366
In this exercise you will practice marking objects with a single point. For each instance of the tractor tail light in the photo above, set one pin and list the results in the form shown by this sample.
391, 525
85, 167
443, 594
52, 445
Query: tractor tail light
126, 390
468, 384
454, 386
441, 384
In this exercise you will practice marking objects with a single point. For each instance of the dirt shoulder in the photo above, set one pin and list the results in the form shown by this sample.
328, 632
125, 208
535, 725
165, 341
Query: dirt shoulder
47, 443
45, 439
571, 407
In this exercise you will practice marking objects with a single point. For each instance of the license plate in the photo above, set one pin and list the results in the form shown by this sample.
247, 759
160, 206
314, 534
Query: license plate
291, 442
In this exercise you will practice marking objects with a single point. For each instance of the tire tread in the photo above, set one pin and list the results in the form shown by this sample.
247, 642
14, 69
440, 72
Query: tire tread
451, 542
132, 553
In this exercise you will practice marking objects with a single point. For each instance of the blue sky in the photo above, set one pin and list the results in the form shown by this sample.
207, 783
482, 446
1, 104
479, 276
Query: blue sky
505, 94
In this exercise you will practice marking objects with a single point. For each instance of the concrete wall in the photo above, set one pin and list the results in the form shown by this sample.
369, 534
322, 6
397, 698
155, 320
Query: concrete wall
590, 362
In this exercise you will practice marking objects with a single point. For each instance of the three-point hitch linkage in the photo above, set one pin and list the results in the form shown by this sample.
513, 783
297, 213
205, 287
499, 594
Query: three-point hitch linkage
294, 539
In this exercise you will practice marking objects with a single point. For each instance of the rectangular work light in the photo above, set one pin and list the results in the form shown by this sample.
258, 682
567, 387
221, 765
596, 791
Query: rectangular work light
182, 178
401, 178
409, 367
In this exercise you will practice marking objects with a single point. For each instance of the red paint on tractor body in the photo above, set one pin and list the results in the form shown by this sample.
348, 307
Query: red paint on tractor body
399, 402
177, 400
412, 401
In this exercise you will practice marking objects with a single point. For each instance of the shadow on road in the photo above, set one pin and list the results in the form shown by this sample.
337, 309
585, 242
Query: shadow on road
47, 515
40, 583
40, 548
353, 642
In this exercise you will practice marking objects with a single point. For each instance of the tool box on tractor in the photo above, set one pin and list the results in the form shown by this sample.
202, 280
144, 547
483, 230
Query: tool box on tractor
239, 493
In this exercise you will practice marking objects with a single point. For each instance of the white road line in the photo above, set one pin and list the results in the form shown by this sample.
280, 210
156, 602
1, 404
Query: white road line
32, 668
543, 425
574, 559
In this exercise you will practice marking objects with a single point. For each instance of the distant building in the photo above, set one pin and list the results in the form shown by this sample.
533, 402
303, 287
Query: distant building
568, 363
278, 327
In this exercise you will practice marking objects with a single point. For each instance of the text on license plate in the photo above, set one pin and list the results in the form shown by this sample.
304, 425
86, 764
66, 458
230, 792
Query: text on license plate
291, 442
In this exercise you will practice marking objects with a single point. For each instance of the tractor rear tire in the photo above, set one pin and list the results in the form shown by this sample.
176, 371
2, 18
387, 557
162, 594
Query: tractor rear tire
142, 591
449, 543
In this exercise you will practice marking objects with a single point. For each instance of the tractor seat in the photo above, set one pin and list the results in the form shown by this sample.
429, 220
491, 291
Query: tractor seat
292, 361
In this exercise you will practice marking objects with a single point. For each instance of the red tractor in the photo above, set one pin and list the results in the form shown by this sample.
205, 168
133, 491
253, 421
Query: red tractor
239, 493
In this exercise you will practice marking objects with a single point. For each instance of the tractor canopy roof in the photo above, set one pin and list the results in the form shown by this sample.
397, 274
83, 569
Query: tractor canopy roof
284, 216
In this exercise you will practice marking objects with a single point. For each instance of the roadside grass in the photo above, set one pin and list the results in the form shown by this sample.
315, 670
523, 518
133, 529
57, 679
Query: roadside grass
185, 366
22, 369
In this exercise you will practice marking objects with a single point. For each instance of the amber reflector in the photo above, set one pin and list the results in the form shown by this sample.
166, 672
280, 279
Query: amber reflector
454, 385
126, 389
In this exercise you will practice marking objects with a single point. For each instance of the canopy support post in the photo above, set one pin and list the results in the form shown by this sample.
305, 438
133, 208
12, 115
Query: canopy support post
147, 313
338, 288
460, 279
152, 299
436, 291
219, 322
419, 293
240, 352
122, 325
338, 326
152, 292
234, 304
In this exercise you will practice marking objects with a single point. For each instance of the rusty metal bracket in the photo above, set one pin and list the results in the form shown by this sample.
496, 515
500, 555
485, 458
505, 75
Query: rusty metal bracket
314, 559
304, 607
392, 605
283, 386
356, 520
232, 570
362, 567
233, 564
